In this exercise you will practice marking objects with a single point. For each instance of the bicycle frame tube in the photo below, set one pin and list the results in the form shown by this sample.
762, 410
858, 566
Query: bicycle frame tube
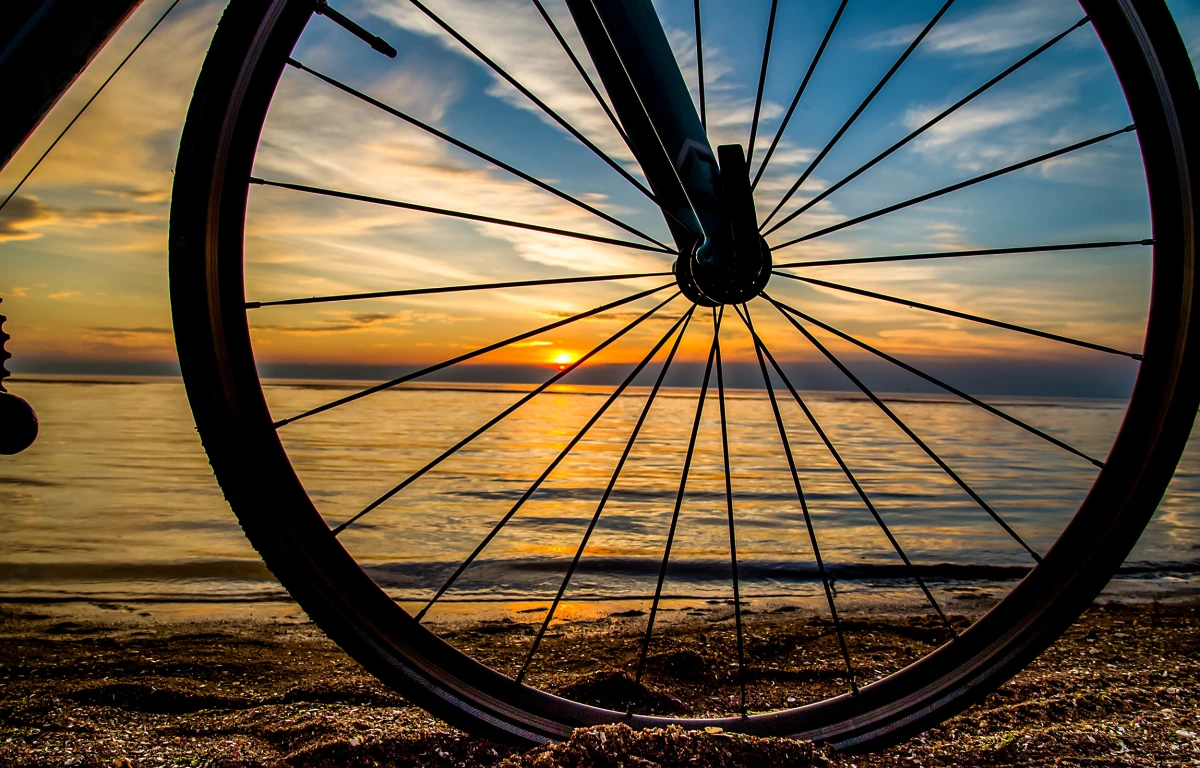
637, 66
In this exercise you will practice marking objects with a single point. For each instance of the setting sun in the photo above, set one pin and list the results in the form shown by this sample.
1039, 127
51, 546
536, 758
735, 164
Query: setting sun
563, 359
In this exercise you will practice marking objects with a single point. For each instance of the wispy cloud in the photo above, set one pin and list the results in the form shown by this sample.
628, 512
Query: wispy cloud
155, 195
513, 35
340, 321
138, 335
1020, 123
309, 238
999, 27
1188, 21
1000, 130
972, 120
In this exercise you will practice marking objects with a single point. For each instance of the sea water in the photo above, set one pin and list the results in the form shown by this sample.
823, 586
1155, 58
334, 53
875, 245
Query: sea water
116, 500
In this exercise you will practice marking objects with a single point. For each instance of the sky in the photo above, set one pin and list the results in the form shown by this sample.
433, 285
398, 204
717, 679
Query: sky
83, 246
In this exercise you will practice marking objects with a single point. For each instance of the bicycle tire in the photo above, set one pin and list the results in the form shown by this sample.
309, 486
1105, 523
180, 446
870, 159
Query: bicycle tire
216, 354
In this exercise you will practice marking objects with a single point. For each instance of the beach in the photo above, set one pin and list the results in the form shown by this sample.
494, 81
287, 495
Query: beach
107, 684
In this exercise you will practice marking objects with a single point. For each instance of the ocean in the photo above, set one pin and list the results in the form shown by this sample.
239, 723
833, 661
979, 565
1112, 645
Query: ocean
116, 502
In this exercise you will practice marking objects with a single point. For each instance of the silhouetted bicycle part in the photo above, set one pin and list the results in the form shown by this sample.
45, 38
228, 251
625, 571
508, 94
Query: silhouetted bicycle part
18, 422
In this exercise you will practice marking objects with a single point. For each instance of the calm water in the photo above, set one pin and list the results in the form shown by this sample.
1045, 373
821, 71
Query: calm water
116, 500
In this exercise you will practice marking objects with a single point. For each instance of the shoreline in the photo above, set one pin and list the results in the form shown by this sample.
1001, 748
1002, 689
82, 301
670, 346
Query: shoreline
1137, 582
260, 685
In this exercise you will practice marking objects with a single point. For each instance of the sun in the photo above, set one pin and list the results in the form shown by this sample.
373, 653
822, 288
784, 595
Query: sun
563, 359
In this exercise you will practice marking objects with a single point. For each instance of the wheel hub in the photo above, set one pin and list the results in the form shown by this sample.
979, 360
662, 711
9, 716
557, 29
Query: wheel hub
734, 265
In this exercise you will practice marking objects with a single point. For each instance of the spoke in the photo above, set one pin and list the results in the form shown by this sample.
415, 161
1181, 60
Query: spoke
812, 419
474, 151
700, 63
500, 417
733, 561
458, 215
954, 187
449, 289
469, 355
687, 466
929, 124
744, 313
906, 429
861, 107
962, 254
962, 315
612, 482
762, 81
562, 41
796, 99
612, 398
375, 41
937, 382
540, 104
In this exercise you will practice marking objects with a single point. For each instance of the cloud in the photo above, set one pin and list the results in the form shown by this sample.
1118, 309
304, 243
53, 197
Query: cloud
970, 138
341, 322
127, 139
106, 340
999, 27
160, 195
326, 327
729, 108
975, 119
1189, 30
1018, 124
24, 216
95, 217
513, 34
785, 154
118, 334
623, 317
355, 246
64, 294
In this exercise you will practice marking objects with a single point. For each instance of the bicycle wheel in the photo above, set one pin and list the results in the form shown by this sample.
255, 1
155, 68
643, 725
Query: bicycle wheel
254, 453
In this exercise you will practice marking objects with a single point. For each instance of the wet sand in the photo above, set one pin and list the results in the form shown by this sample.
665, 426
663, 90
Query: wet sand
134, 685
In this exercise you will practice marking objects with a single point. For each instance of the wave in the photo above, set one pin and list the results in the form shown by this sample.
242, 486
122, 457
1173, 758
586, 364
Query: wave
67, 572
532, 571
593, 493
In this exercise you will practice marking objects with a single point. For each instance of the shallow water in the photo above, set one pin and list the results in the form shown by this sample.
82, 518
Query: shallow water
116, 500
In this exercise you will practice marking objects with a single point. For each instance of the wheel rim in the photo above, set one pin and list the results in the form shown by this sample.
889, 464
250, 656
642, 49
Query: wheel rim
217, 356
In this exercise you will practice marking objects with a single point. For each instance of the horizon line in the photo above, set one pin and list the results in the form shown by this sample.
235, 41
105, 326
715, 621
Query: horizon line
1098, 379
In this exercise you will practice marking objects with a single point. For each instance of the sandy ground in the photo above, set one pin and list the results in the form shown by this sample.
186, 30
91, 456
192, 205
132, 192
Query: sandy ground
132, 686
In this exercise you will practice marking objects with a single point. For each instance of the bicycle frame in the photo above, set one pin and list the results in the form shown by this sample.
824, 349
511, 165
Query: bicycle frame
637, 66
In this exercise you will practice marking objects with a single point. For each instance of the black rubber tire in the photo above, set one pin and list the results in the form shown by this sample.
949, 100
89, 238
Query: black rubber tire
207, 300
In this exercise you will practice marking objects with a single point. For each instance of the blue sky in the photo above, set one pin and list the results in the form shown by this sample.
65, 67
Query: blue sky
84, 245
